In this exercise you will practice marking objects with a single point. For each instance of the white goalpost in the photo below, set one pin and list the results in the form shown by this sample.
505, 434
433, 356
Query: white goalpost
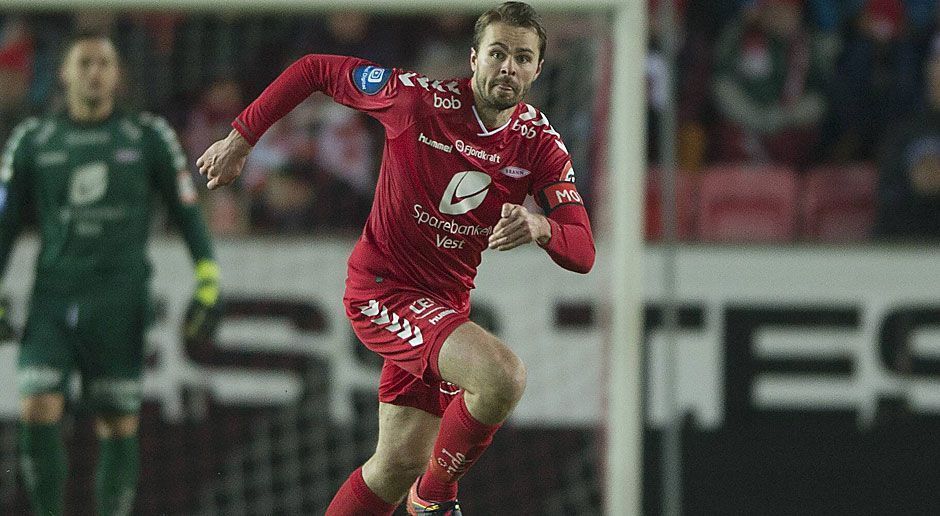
620, 226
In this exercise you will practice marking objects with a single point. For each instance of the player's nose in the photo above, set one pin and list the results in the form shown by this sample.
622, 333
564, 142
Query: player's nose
508, 68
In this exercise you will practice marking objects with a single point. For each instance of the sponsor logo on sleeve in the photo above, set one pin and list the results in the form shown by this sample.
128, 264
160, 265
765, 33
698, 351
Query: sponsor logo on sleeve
370, 79
559, 194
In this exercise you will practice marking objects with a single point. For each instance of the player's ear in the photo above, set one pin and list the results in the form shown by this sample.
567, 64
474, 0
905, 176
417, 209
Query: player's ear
473, 59
538, 69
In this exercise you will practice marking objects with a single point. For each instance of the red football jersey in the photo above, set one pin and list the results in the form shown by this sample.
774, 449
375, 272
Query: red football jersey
444, 177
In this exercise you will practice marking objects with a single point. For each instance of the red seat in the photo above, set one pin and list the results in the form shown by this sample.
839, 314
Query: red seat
839, 202
686, 183
748, 203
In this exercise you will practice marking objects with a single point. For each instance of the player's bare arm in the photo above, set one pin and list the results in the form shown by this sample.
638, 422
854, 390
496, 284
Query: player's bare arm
223, 161
518, 226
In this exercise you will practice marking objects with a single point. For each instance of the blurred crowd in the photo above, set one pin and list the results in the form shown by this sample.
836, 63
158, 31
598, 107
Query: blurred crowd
313, 172
797, 119
833, 103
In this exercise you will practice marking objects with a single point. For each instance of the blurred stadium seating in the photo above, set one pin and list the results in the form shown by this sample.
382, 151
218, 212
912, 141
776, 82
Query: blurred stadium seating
739, 203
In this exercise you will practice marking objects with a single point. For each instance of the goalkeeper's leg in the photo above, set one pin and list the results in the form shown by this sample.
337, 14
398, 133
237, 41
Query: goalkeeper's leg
43, 459
404, 446
118, 465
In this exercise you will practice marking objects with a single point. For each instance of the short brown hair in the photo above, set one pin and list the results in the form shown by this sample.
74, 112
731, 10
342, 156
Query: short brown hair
515, 14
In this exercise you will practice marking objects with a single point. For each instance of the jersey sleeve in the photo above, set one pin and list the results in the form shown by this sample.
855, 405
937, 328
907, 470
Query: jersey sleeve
174, 184
554, 189
350, 81
14, 187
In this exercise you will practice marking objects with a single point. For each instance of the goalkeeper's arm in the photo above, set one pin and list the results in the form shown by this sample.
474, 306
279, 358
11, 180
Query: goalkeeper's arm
205, 309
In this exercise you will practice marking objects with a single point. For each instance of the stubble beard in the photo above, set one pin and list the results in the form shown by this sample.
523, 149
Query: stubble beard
493, 101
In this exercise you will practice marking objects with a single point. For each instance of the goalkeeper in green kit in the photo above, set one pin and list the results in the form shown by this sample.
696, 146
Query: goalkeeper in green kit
91, 174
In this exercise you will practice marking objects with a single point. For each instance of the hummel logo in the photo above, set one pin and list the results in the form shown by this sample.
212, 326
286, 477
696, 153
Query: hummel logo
434, 144
465, 192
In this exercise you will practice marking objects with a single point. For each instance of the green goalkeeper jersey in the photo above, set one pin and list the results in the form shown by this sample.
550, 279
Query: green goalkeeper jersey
93, 186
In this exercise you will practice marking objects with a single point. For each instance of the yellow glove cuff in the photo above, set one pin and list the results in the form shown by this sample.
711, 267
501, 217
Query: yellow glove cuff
207, 278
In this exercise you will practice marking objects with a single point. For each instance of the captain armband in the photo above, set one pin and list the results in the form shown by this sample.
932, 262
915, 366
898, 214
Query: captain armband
559, 194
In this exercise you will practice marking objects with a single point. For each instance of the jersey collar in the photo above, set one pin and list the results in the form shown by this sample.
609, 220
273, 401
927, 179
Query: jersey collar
488, 132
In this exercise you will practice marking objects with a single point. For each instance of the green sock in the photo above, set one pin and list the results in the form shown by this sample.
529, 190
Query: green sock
116, 478
44, 466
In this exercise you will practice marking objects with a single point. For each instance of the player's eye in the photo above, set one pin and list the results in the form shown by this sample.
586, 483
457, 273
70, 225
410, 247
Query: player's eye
497, 55
524, 59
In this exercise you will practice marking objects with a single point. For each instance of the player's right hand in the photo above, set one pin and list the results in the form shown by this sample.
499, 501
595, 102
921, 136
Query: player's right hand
223, 160
7, 332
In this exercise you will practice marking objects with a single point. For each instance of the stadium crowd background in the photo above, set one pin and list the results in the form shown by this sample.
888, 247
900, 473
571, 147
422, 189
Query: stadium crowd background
784, 108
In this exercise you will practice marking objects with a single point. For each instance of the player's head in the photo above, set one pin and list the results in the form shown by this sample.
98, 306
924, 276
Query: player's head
90, 71
507, 54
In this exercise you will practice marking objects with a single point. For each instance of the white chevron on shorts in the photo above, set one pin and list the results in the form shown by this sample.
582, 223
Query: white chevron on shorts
417, 340
396, 323
402, 327
383, 317
370, 309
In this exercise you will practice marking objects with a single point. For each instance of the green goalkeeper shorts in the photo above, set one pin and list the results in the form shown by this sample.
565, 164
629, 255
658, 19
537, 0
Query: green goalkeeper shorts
99, 333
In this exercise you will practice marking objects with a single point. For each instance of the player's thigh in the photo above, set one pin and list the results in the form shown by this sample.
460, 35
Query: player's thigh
403, 325
476, 360
47, 353
110, 349
406, 437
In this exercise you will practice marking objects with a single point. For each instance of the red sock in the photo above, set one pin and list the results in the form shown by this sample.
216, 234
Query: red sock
355, 498
460, 442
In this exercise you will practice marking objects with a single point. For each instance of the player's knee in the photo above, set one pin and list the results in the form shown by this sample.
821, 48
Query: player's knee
116, 426
508, 384
42, 409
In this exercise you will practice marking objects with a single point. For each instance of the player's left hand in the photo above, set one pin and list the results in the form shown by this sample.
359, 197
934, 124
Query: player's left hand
518, 226
205, 310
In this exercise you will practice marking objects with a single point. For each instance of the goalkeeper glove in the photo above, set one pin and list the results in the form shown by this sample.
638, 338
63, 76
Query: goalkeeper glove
205, 310
7, 332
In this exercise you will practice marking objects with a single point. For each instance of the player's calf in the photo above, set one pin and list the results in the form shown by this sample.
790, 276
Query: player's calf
390, 476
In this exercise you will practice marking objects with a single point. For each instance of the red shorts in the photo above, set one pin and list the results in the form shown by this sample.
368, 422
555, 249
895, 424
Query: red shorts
407, 327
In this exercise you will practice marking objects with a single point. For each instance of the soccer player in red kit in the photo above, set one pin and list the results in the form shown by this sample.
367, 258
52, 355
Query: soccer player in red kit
460, 157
